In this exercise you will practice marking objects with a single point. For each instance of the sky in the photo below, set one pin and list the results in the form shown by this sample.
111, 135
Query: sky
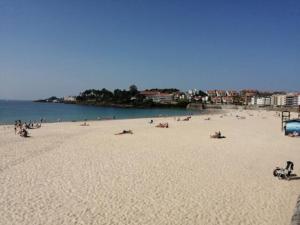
62, 47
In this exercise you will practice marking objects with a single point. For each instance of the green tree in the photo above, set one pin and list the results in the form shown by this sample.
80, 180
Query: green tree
133, 90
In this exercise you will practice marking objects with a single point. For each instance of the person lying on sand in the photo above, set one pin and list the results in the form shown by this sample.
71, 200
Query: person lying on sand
125, 132
162, 125
187, 118
84, 124
208, 118
217, 135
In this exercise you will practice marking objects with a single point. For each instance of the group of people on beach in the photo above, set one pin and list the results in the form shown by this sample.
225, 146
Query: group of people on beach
294, 134
85, 124
22, 128
216, 135
184, 119
162, 125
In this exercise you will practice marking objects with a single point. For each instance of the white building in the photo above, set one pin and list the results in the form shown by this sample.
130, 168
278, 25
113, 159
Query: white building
261, 101
69, 99
158, 97
205, 99
281, 100
180, 96
253, 100
162, 98
193, 92
291, 100
278, 100
267, 100
274, 100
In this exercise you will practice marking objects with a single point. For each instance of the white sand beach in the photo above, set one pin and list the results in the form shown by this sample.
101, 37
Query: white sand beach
69, 174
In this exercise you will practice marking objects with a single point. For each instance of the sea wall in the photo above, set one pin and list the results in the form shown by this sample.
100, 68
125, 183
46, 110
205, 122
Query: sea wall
200, 106
195, 106
273, 108
223, 106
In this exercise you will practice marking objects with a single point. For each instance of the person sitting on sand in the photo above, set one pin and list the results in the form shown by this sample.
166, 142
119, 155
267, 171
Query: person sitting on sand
18, 126
84, 124
294, 134
23, 132
125, 132
217, 135
162, 125
151, 121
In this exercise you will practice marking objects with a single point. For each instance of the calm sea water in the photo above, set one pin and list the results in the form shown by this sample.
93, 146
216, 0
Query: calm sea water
27, 110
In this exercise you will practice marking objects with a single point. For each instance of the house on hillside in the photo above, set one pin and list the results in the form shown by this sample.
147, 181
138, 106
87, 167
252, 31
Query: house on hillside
221, 93
158, 97
216, 100
211, 93
247, 95
69, 99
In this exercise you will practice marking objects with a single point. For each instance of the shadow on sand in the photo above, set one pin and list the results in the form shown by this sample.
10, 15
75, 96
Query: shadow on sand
294, 177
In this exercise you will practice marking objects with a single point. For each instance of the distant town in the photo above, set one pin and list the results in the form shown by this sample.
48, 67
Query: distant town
176, 98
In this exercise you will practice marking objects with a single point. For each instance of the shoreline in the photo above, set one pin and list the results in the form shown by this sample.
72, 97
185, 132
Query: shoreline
200, 113
208, 111
195, 112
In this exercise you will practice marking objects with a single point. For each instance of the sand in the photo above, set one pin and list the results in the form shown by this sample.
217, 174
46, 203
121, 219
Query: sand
69, 174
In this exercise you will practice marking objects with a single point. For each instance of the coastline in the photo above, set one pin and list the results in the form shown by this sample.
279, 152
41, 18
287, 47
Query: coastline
207, 112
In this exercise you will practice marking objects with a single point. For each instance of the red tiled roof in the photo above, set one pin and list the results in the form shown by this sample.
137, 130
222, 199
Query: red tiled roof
211, 91
154, 93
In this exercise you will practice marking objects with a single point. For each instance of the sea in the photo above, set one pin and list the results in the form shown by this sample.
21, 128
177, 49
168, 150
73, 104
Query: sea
12, 110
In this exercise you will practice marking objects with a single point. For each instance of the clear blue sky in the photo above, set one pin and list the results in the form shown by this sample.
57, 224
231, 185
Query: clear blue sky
62, 47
